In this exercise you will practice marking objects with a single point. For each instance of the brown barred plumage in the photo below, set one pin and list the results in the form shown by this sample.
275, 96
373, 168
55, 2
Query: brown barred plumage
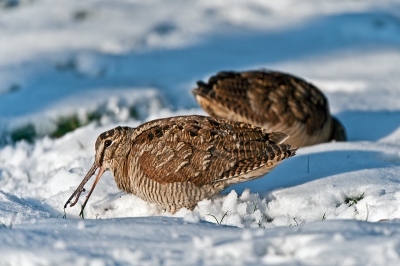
178, 161
272, 100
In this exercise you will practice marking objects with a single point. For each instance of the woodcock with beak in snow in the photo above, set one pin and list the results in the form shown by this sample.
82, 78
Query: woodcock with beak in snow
178, 161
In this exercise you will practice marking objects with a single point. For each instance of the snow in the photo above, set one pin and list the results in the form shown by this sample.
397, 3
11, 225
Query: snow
331, 204
172, 241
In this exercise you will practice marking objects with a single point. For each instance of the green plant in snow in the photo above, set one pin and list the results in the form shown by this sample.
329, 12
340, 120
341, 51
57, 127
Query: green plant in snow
220, 221
350, 201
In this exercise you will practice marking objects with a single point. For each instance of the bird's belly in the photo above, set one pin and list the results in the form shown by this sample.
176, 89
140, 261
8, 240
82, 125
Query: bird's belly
172, 196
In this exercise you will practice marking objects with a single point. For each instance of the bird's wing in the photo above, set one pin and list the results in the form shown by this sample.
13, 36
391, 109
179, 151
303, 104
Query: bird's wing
203, 149
267, 97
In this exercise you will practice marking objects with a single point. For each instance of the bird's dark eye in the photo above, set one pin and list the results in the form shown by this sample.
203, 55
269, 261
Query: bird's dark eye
107, 143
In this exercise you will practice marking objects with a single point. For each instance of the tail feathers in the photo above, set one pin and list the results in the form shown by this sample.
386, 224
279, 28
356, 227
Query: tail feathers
277, 137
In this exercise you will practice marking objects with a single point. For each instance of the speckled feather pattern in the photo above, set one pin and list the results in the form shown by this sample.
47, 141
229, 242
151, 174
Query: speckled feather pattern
273, 100
178, 161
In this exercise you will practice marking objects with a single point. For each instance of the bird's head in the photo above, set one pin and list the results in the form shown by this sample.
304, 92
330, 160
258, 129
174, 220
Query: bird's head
110, 145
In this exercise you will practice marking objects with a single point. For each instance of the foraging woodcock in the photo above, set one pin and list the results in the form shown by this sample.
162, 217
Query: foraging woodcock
272, 100
178, 161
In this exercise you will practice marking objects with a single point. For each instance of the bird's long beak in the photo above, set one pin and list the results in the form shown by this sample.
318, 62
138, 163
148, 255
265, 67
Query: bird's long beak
80, 188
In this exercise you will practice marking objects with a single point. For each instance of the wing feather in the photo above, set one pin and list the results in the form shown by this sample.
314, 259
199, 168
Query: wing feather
202, 150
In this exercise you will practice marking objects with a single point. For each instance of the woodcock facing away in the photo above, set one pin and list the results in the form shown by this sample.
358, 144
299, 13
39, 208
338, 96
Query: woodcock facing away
272, 100
178, 161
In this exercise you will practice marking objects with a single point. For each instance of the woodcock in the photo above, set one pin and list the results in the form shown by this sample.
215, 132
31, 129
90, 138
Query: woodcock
178, 161
272, 100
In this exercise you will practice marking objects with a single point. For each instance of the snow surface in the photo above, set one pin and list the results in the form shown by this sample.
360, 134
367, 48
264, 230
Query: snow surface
63, 58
